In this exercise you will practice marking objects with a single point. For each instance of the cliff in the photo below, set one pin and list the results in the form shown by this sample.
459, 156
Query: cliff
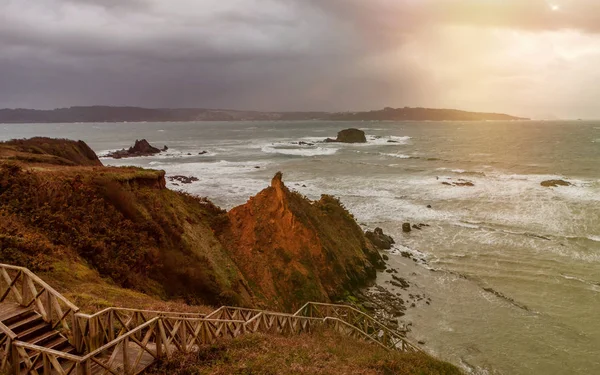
277, 250
293, 250
49, 151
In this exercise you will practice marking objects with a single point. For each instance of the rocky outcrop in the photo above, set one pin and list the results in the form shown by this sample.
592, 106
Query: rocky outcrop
141, 148
555, 183
349, 136
293, 250
379, 239
183, 179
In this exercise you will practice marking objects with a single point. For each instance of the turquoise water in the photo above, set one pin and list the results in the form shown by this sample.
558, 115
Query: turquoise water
513, 268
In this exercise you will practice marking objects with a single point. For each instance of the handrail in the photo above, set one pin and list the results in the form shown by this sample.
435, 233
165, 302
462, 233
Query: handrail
356, 329
376, 324
7, 331
47, 287
166, 331
41, 349
157, 312
119, 339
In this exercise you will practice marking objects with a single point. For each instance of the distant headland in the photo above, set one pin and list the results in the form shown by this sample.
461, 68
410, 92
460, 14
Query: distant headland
139, 114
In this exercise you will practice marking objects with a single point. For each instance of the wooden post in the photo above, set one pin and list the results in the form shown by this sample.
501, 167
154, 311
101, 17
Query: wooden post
47, 368
125, 344
16, 360
48, 306
111, 325
25, 292
157, 331
183, 330
84, 368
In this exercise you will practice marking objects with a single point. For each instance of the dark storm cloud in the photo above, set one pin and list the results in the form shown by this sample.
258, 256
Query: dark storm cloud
256, 54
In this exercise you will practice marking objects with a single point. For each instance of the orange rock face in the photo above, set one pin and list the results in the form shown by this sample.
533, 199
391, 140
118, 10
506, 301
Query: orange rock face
292, 250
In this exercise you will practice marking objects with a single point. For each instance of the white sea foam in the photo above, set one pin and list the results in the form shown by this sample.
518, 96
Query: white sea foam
169, 154
594, 238
305, 151
387, 140
400, 156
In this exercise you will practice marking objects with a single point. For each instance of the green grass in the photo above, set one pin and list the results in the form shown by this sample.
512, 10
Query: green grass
322, 353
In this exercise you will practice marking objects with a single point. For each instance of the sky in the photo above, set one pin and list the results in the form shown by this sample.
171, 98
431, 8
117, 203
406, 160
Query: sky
535, 58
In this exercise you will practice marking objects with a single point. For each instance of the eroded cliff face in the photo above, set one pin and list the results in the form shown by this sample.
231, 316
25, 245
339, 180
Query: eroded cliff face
58, 207
292, 250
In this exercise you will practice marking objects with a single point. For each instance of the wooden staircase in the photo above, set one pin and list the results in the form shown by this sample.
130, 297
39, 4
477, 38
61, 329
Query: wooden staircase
29, 326
41, 332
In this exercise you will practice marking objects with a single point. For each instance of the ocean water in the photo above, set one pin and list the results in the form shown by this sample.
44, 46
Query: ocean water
512, 268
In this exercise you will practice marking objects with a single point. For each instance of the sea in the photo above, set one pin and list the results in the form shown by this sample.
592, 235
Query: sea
512, 268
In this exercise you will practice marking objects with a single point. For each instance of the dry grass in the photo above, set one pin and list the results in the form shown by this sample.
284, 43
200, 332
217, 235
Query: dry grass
321, 353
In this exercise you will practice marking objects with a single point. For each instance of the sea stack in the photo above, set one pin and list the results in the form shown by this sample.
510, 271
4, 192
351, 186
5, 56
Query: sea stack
349, 136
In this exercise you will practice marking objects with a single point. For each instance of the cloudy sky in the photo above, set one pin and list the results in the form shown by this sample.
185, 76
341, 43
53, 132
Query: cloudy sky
524, 57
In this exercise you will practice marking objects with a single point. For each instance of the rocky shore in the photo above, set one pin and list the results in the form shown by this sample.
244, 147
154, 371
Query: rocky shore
394, 294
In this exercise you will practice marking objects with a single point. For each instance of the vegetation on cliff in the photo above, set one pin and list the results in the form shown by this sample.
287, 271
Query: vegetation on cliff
321, 352
279, 250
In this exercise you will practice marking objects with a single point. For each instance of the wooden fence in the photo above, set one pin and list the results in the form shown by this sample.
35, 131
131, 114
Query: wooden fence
94, 331
20, 285
375, 330
126, 341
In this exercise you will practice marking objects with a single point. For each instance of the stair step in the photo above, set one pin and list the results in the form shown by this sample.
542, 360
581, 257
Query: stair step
17, 315
34, 332
56, 343
23, 324
46, 337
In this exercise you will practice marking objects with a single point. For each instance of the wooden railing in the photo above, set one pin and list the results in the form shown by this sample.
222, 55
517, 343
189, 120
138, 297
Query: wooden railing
6, 339
132, 352
283, 324
376, 331
126, 341
116, 357
94, 331
22, 286
234, 313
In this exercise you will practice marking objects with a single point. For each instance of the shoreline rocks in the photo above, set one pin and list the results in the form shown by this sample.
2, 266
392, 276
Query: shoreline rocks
379, 239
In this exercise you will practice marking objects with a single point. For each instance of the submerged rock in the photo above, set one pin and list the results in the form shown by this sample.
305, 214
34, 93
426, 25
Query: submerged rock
406, 227
460, 182
349, 136
183, 179
555, 183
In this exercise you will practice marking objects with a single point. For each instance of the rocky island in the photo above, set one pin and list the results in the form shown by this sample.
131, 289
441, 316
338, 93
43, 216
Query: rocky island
349, 136
140, 148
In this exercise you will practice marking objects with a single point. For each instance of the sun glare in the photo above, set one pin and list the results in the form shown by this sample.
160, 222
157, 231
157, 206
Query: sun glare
554, 7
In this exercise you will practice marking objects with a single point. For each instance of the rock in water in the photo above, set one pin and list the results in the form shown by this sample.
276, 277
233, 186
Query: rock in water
379, 239
349, 136
141, 148
406, 227
555, 183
